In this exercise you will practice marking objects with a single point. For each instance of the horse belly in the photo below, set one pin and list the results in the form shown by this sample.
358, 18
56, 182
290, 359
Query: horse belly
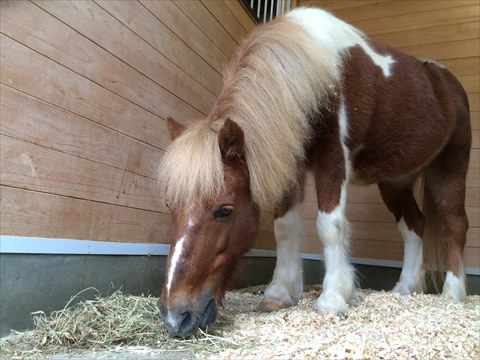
371, 166
395, 150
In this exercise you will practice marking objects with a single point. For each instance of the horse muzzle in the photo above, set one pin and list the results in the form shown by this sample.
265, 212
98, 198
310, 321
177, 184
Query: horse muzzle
183, 321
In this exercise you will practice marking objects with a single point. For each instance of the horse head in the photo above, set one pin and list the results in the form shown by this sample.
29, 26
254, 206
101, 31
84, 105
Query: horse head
208, 237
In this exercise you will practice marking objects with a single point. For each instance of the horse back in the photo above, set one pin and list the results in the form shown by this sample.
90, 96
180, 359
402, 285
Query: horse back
398, 123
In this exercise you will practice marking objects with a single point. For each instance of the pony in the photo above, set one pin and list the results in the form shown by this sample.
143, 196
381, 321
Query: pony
308, 92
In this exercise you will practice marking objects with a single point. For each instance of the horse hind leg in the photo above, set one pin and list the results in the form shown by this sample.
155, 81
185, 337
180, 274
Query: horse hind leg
445, 185
446, 191
286, 286
410, 222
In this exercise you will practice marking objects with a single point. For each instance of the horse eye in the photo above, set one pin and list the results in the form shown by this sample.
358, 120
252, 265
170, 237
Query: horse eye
223, 212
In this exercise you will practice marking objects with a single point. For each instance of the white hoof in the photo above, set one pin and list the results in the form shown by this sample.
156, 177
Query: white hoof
288, 295
454, 287
333, 303
407, 288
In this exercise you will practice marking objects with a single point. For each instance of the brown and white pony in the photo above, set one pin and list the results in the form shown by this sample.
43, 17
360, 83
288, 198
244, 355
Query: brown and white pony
308, 92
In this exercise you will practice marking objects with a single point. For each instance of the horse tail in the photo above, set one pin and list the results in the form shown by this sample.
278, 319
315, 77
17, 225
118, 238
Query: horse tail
434, 242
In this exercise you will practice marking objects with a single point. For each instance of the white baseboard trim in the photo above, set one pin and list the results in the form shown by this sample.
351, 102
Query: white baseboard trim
36, 245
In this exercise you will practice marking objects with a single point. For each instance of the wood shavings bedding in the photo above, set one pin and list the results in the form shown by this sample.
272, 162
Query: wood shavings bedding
378, 325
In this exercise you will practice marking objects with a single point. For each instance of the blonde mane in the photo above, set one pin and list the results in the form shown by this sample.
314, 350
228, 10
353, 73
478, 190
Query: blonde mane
280, 76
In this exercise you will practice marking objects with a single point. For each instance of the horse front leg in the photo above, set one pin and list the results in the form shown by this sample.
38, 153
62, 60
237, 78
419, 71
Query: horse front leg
286, 286
339, 281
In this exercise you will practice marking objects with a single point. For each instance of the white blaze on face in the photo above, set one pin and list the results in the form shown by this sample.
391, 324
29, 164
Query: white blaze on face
175, 259
177, 253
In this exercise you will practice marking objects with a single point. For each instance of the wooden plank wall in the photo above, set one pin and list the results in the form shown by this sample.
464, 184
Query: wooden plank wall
449, 32
86, 87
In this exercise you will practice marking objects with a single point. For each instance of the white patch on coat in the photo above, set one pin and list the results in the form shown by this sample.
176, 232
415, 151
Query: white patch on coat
287, 283
338, 35
343, 125
412, 278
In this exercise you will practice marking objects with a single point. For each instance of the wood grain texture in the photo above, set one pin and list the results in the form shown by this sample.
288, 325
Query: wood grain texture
36, 214
147, 25
96, 24
86, 87
33, 167
71, 49
32, 73
197, 12
374, 10
34, 121
226, 18
239, 13
191, 33
418, 20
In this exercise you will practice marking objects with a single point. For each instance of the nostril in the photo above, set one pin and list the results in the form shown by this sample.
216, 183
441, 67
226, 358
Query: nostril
187, 323
210, 314
181, 324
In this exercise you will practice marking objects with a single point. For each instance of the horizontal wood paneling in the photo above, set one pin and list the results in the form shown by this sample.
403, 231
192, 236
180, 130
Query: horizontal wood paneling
30, 213
96, 24
86, 87
32, 73
144, 23
28, 166
211, 27
474, 100
68, 133
463, 66
171, 14
417, 20
445, 51
433, 35
67, 47
374, 10
240, 14
334, 5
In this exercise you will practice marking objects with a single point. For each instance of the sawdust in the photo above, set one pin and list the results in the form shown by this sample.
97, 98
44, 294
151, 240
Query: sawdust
377, 325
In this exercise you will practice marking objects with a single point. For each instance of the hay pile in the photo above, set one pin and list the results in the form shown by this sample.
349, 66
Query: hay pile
379, 325
105, 323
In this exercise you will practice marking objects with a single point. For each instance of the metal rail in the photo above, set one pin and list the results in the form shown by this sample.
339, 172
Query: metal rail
265, 10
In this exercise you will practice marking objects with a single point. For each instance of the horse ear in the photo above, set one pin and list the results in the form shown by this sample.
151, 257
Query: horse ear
231, 141
174, 128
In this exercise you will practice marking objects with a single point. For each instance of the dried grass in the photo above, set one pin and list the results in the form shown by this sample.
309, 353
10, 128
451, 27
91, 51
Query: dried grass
378, 325
105, 323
